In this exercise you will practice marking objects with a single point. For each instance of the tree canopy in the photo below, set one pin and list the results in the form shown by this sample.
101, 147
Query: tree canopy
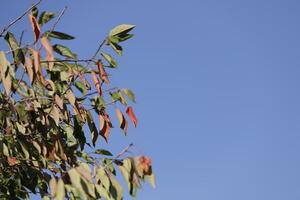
54, 106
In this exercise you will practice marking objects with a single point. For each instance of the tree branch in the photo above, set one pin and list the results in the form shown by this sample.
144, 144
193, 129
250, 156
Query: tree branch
7, 27
125, 150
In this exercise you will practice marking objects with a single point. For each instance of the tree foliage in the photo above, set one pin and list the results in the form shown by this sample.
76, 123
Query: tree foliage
53, 108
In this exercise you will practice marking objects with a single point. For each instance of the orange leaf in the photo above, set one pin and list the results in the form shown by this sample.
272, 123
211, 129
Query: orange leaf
97, 83
49, 51
35, 28
104, 128
12, 161
132, 116
85, 82
37, 66
102, 73
144, 163
122, 120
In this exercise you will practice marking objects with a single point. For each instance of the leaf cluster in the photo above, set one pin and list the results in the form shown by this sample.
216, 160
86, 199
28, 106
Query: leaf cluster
49, 105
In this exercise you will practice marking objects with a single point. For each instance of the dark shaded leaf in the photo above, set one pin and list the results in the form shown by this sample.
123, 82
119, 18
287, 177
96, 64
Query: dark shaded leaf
59, 35
14, 46
103, 152
46, 17
64, 51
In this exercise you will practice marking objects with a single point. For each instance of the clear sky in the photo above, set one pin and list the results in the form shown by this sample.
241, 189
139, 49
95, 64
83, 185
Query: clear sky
217, 85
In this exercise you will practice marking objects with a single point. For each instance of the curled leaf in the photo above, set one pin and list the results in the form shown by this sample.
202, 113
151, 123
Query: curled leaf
131, 115
97, 83
102, 73
35, 28
122, 121
49, 52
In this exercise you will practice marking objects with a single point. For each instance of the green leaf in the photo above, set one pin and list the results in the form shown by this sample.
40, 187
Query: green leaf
103, 152
130, 175
78, 132
115, 189
81, 87
5, 70
151, 179
129, 94
109, 59
34, 12
98, 103
115, 96
24, 149
121, 29
117, 48
60, 190
120, 38
13, 45
46, 17
92, 127
71, 140
59, 35
76, 181
64, 51
102, 177
4, 149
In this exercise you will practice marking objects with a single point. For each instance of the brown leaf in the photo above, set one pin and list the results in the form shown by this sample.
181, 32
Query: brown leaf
85, 82
49, 52
29, 69
12, 161
97, 83
55, 114
37, 66
132, 116
59, 101
102, 73
35, 28
122, 121
104, 128
53, 185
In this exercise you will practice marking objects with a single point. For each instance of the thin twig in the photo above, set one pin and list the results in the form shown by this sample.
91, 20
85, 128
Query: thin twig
97, 51
119, 155
66, 60
21, 38
58, 19
6, 28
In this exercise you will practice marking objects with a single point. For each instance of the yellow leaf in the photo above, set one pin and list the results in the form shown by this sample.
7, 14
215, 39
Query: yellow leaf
5, 73
122, 121
53, 185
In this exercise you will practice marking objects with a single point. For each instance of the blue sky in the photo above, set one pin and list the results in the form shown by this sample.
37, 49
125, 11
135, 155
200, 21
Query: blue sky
217, 85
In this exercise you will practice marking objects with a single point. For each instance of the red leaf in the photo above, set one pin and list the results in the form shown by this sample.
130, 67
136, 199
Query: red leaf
102, 73
12, 161
35, 28
132, 116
